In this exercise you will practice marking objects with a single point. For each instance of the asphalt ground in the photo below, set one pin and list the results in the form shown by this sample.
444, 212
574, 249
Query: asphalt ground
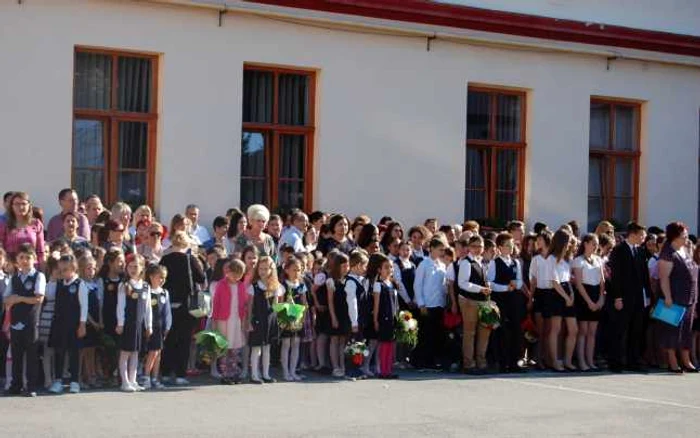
419, 404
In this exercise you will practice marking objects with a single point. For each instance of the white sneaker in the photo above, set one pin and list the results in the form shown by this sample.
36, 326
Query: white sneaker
338, 373
126, 387
166, 379
288, 378
181, 381
158, 385
147, 384
138, 387
297, 378
74, 388
56, 387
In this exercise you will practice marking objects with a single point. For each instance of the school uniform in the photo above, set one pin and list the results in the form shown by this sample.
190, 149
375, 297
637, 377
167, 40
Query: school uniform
405, 275
357, 298
470, 279
340, 306
48, 307
508, 337
24, 328
323, 317
162, 318
109, 305
591, 273
561, 273
293, 292
93, 290
539, 271
388, 307
263, 318
134, 313
70, 311
430, 289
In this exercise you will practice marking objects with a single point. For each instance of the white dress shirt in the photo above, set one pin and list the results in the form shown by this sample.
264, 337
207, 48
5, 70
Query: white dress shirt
560, 271
403, 293
540, 271
351, 296
491, 274
430, 286
591, 271
201, 233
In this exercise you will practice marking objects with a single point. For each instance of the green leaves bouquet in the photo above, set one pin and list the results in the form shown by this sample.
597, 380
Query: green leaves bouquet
212, 345
489, 314
290, 316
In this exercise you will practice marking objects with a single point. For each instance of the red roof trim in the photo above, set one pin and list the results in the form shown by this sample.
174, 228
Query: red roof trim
466, 17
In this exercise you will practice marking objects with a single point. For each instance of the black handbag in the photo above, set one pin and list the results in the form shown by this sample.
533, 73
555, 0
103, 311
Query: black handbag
199, 304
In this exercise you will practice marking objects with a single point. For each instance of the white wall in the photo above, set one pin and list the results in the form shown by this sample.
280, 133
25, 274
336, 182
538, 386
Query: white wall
391, 116
677, 16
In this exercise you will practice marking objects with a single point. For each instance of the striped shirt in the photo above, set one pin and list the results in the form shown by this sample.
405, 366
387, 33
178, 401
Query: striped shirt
33, 233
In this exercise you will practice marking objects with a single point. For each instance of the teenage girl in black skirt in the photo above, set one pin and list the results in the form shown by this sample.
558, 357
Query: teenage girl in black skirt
319, 296
338, 309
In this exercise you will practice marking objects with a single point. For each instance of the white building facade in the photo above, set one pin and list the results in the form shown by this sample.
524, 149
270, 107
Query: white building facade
410, 109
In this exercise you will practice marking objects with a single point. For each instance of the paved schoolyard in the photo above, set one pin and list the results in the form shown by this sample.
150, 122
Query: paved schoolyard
535, 404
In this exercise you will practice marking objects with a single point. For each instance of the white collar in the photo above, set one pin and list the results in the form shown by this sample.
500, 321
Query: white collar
136, 283
71, 281
291, 284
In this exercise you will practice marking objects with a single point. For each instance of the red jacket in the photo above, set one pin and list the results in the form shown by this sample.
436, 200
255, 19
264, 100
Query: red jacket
222, 300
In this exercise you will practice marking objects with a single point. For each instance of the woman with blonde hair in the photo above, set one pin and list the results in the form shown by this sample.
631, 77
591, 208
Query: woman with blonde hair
121, 212
605, 227
258, 215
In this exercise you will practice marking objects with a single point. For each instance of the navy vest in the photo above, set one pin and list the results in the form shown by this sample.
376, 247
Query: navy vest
476, 277
27, 314
505, 273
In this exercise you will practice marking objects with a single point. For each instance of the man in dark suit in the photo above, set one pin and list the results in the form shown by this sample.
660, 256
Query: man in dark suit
628, 298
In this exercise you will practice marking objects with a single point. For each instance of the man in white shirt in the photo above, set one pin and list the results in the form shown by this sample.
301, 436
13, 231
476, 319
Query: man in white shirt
293, 236
198, 231
430, 289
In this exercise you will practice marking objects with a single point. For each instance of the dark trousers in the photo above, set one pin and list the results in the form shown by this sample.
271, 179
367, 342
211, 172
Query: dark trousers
24, 348
428, 352
176, 348
625, 335
507, 339
73, 362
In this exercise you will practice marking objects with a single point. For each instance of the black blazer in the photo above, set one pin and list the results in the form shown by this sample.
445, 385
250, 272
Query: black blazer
629, 275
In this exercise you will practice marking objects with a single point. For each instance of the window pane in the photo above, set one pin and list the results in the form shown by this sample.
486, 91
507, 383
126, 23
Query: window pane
623, 210
507, 170
599, 131
293, 99
258, 96
477, 168
475, 204
478, 115
595, 212
133, 145
253, 154
88, 182
506, 205
131, 188
624, 177
93, 81
253, 191
134, 84
291, 195
292, 156
88, 143
596, 176
626, 128
476, 179
508, 118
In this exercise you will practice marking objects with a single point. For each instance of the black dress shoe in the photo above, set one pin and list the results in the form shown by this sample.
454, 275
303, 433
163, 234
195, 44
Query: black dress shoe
270, 380
226, 381
690, 370
676, 371
30, 394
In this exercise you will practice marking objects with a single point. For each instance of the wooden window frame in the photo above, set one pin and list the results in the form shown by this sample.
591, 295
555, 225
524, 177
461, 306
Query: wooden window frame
274, 130
111, 118
610, 155
492, 144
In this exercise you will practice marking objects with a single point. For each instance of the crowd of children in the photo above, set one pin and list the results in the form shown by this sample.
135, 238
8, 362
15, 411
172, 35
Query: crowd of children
90, 308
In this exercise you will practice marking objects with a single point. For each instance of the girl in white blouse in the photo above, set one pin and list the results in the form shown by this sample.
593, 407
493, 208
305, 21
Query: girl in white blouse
589, 279
560, 302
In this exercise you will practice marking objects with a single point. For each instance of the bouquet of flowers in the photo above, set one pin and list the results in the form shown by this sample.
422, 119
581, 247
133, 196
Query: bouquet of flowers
489, 315
290, 316
212, 345
356, 351
406, 331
